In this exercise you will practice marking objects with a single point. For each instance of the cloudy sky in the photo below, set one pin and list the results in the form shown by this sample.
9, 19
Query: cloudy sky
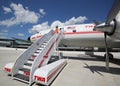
22, 18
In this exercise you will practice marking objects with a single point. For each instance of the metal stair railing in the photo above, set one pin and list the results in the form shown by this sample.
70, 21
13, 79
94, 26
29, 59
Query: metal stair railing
45, 55
29, 52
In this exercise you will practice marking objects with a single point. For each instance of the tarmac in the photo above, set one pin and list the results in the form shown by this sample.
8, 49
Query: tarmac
81, 70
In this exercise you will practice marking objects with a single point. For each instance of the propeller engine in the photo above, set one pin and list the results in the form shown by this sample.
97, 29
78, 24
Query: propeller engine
111, 27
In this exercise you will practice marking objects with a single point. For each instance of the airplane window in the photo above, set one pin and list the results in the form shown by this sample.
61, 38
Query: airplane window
74, 30
61, 28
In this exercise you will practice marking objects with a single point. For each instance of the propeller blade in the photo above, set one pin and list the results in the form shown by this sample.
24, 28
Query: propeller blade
113, 12
107, 56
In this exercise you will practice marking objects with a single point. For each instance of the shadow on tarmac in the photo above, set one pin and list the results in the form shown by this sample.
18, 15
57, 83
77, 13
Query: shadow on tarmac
98, 69
94, 58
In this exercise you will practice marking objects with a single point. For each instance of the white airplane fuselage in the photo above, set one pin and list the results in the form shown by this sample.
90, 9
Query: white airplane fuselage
81, 35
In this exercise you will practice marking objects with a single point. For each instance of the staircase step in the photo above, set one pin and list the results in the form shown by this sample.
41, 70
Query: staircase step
28, 64
25, 66
37, 52
45, 43
33, 56
30, 59
25, 69
22, 77
42, 46
39, 49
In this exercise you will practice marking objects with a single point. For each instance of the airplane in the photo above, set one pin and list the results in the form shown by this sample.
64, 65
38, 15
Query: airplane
85, 35
91, 35
79, 35
82, 35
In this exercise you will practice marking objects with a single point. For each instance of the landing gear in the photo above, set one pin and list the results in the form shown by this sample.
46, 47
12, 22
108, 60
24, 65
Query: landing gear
109, 55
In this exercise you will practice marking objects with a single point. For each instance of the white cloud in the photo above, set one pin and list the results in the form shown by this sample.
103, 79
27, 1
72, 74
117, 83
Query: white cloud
56, 23
42, 11
21, 15
39, 27
45, 25
74, 20
3, 33
20, 34
71, 21
7, 10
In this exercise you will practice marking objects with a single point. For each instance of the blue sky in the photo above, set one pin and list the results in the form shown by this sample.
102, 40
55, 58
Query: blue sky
22, 18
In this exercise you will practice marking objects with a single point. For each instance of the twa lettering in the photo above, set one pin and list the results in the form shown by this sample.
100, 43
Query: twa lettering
39, 78
7, 69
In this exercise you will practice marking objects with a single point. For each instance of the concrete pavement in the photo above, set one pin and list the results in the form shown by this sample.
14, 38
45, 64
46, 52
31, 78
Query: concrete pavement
81, 70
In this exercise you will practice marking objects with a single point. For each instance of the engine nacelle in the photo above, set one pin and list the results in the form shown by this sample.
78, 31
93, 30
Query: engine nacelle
116, 31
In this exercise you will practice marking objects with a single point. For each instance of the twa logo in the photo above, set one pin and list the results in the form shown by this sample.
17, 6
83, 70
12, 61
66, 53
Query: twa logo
89, 26
72, 27
7, 69
42, 79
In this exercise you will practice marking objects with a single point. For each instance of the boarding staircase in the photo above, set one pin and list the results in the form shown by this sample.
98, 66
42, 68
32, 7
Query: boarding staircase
37, 55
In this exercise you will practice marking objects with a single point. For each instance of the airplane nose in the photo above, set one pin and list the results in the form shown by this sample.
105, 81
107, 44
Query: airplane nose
29, 38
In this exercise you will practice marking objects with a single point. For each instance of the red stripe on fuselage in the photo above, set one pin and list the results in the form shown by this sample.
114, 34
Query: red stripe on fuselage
85, 32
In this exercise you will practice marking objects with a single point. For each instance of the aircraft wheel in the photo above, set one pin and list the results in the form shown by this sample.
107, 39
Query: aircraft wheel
110, 56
